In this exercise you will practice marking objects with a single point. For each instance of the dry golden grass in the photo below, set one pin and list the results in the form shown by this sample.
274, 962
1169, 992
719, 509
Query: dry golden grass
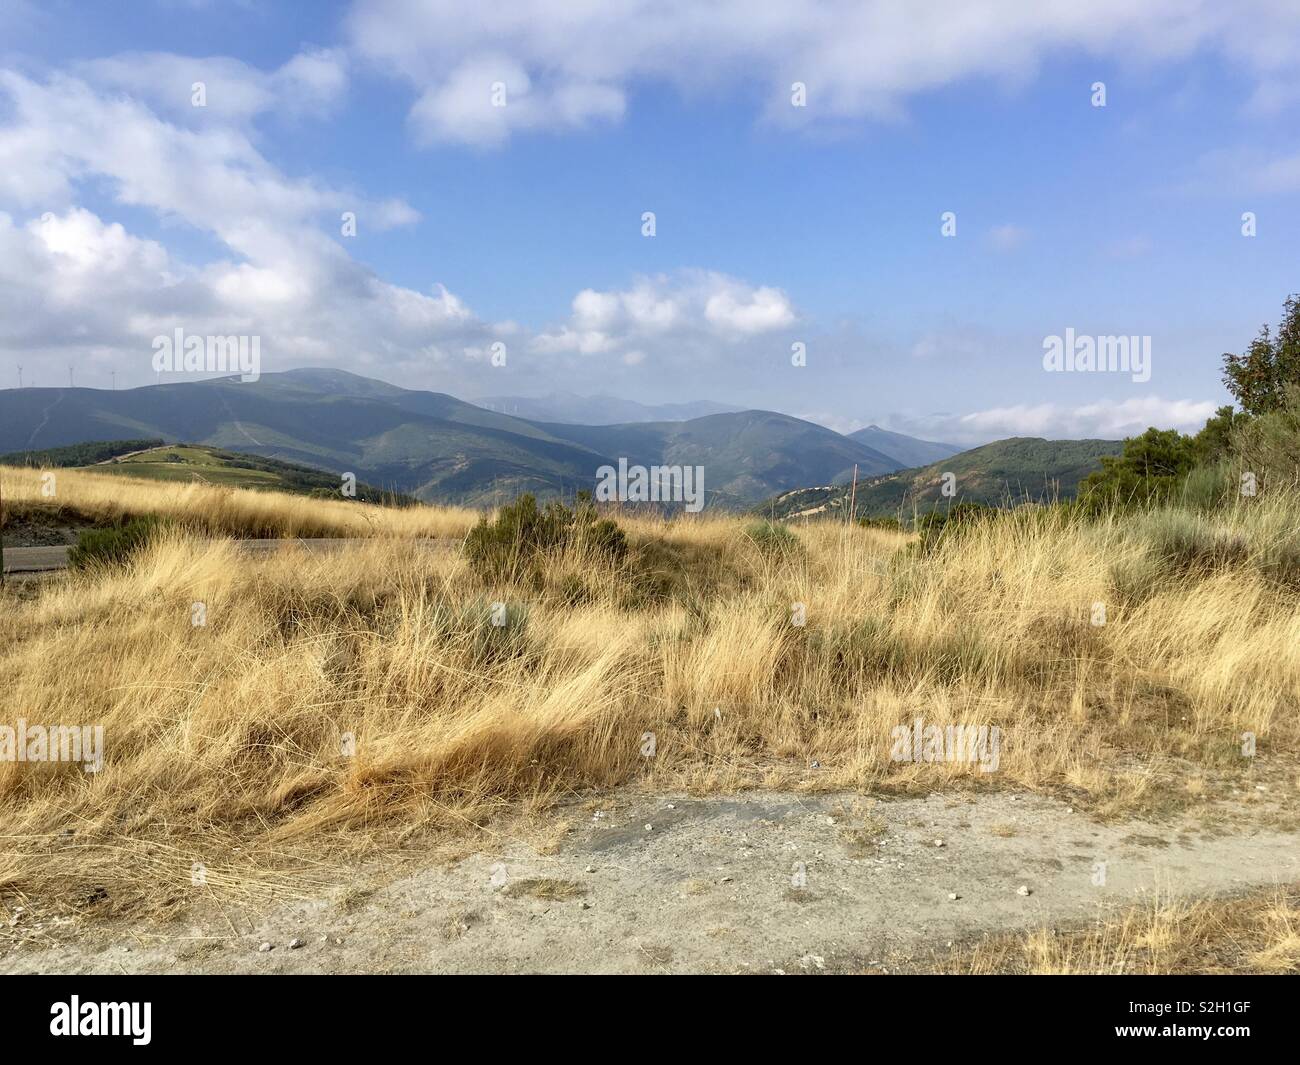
98, 498
227, 744
1254, 934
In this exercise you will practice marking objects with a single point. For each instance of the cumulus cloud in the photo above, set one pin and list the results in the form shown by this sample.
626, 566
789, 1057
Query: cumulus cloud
76, 284
568, 64
79, 285
486, 97
693, 309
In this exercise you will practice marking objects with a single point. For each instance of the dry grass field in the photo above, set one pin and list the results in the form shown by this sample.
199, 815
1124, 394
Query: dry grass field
1257, 933
331, 704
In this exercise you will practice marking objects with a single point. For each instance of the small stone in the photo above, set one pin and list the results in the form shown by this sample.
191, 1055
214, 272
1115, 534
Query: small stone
830, 820
295, 943
816, 764
938, 843
265, 948
649, 828
1023, 890
672, 806
591, 868
953, 896
727, 879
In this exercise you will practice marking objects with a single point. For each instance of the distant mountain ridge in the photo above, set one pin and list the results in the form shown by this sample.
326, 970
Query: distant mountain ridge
907, 450
431, 445
1005, 472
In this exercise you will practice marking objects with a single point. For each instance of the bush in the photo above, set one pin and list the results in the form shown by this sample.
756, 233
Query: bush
1269, 446
1148, 472
1208, 487
518, 539
115, 546
891, 524
950, 522
1185, 543
772, 538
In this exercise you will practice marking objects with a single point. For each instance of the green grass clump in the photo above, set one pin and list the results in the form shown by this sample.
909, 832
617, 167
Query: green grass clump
114, 546
517, 541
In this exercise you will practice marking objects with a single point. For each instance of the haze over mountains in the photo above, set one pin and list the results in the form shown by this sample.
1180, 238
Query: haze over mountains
435, 446
600, 410
906, 449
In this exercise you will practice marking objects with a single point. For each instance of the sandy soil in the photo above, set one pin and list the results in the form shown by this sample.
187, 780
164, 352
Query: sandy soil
761, 883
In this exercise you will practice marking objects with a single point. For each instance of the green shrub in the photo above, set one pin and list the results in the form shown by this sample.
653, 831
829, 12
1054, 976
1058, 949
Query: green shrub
949, 522
114, 546
1208, 487
1183, 542
772, 538
891, 524
1148, 472
515, 542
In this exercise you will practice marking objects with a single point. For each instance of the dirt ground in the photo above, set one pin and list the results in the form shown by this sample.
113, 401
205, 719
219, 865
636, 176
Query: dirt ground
757, 883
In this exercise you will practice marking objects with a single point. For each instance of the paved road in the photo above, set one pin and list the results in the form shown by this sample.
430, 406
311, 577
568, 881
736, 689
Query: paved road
44, 559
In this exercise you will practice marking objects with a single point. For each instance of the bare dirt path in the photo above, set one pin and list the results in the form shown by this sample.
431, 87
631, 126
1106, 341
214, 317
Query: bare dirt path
757, 883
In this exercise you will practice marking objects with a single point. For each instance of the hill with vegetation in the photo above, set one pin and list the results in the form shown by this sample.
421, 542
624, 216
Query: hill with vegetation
1004, 473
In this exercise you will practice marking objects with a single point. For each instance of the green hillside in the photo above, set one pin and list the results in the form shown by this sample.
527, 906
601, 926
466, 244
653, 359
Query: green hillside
186, 463
1003, 473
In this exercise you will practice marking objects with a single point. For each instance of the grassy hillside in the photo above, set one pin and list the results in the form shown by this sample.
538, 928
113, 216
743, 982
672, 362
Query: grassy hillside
97, 497
1004, 473
209, 465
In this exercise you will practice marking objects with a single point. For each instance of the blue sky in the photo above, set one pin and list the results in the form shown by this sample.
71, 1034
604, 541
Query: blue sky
125, 211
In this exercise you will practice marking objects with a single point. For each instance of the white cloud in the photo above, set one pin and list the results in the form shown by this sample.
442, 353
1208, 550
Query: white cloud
486, 97
569, 64
311, 83
1105, 420
78, 286
692, 307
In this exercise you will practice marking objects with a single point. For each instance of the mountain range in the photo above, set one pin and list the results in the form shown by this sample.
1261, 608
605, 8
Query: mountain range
442, 449
434, 446
1004, 473
905, 449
